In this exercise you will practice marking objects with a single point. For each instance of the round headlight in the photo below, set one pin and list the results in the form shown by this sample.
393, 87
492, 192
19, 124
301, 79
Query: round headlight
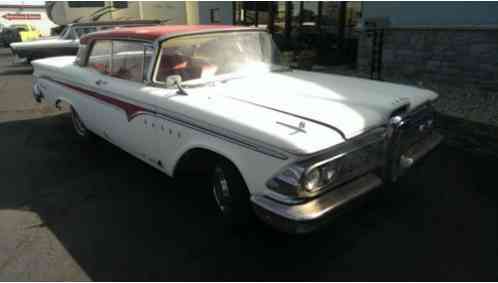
312, 180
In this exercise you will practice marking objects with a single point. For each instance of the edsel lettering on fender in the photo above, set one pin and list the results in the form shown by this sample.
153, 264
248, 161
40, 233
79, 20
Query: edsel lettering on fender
295, 147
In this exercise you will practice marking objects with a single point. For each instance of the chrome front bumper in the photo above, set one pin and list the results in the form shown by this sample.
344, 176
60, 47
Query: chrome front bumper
310, 215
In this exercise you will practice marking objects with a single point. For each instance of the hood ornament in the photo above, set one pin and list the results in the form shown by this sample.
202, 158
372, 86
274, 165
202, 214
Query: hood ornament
299, 129
302, 125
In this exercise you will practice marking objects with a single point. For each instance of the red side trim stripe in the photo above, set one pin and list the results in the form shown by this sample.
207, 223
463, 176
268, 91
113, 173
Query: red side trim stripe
130, 109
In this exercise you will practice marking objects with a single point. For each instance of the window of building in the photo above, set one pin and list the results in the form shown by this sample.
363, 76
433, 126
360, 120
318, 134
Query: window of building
128, 59
253, 13
263, 11
249, 14
215, 15
86, 4
279, 17
315, 26
120, 4
294, 10
309, 13
100, 57
329, 17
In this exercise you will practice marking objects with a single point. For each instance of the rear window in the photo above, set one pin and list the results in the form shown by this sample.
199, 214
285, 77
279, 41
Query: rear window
128, 60
100, 56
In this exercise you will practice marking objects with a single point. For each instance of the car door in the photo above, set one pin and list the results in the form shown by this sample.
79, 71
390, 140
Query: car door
135, 127
96, 70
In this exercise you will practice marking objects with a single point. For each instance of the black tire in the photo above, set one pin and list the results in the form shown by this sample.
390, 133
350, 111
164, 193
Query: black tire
79, 127
231, 194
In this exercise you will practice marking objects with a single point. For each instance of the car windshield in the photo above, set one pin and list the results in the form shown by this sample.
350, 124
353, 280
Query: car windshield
207, 57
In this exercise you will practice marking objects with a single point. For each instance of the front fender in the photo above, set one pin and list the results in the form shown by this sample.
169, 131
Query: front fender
255, 167
192, 146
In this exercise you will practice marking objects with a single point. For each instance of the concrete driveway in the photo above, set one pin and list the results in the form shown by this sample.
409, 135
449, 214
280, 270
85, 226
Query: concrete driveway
75, 211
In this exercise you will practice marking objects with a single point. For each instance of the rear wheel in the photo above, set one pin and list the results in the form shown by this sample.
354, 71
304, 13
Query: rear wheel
231, 194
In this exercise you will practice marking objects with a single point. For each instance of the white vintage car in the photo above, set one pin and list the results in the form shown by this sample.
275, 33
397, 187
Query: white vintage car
294, 146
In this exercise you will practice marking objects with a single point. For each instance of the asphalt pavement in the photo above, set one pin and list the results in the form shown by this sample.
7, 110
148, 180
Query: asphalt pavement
89, 211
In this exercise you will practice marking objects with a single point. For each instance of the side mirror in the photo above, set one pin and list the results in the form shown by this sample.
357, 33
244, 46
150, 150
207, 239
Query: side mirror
173, 80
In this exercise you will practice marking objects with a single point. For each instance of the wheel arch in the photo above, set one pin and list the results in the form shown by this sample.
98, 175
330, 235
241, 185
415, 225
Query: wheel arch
206, 155
60, 101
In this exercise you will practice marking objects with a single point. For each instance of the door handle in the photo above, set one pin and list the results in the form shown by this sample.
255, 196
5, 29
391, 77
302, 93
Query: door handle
100, 82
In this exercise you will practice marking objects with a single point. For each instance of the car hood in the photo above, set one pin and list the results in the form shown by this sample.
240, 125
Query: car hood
345, 104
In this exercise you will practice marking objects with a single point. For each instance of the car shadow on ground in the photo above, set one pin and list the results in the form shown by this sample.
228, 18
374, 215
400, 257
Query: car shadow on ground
123, 220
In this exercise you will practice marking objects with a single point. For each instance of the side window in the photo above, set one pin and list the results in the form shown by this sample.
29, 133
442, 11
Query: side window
100, 56
128, 59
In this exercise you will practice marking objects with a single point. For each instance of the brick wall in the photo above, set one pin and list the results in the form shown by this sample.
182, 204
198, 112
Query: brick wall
460, 63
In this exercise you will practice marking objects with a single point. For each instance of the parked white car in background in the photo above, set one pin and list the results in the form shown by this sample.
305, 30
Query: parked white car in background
295, 146
68, 41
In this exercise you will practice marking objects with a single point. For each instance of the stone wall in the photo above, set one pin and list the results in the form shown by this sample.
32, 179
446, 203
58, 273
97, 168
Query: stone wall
460, 63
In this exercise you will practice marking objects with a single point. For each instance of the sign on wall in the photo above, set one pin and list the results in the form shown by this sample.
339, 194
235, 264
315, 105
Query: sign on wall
21, 16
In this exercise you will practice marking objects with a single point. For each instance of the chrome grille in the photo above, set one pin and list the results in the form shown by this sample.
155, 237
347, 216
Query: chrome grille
409, 131
415, 128
361, 161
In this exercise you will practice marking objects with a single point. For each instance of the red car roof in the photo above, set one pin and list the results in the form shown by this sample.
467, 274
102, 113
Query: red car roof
152, 33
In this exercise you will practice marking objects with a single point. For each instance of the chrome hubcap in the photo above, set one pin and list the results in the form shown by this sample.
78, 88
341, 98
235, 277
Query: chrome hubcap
221, 191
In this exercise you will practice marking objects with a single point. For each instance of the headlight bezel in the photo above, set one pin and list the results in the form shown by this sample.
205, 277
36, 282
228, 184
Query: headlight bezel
288, 183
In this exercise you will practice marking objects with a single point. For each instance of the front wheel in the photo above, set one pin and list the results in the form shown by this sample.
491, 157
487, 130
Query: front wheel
231, 194
80, 128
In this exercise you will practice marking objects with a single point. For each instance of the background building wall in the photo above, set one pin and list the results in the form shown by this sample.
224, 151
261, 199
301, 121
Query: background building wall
223, 12
455, 53
132, 12
173, 12
434, 13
